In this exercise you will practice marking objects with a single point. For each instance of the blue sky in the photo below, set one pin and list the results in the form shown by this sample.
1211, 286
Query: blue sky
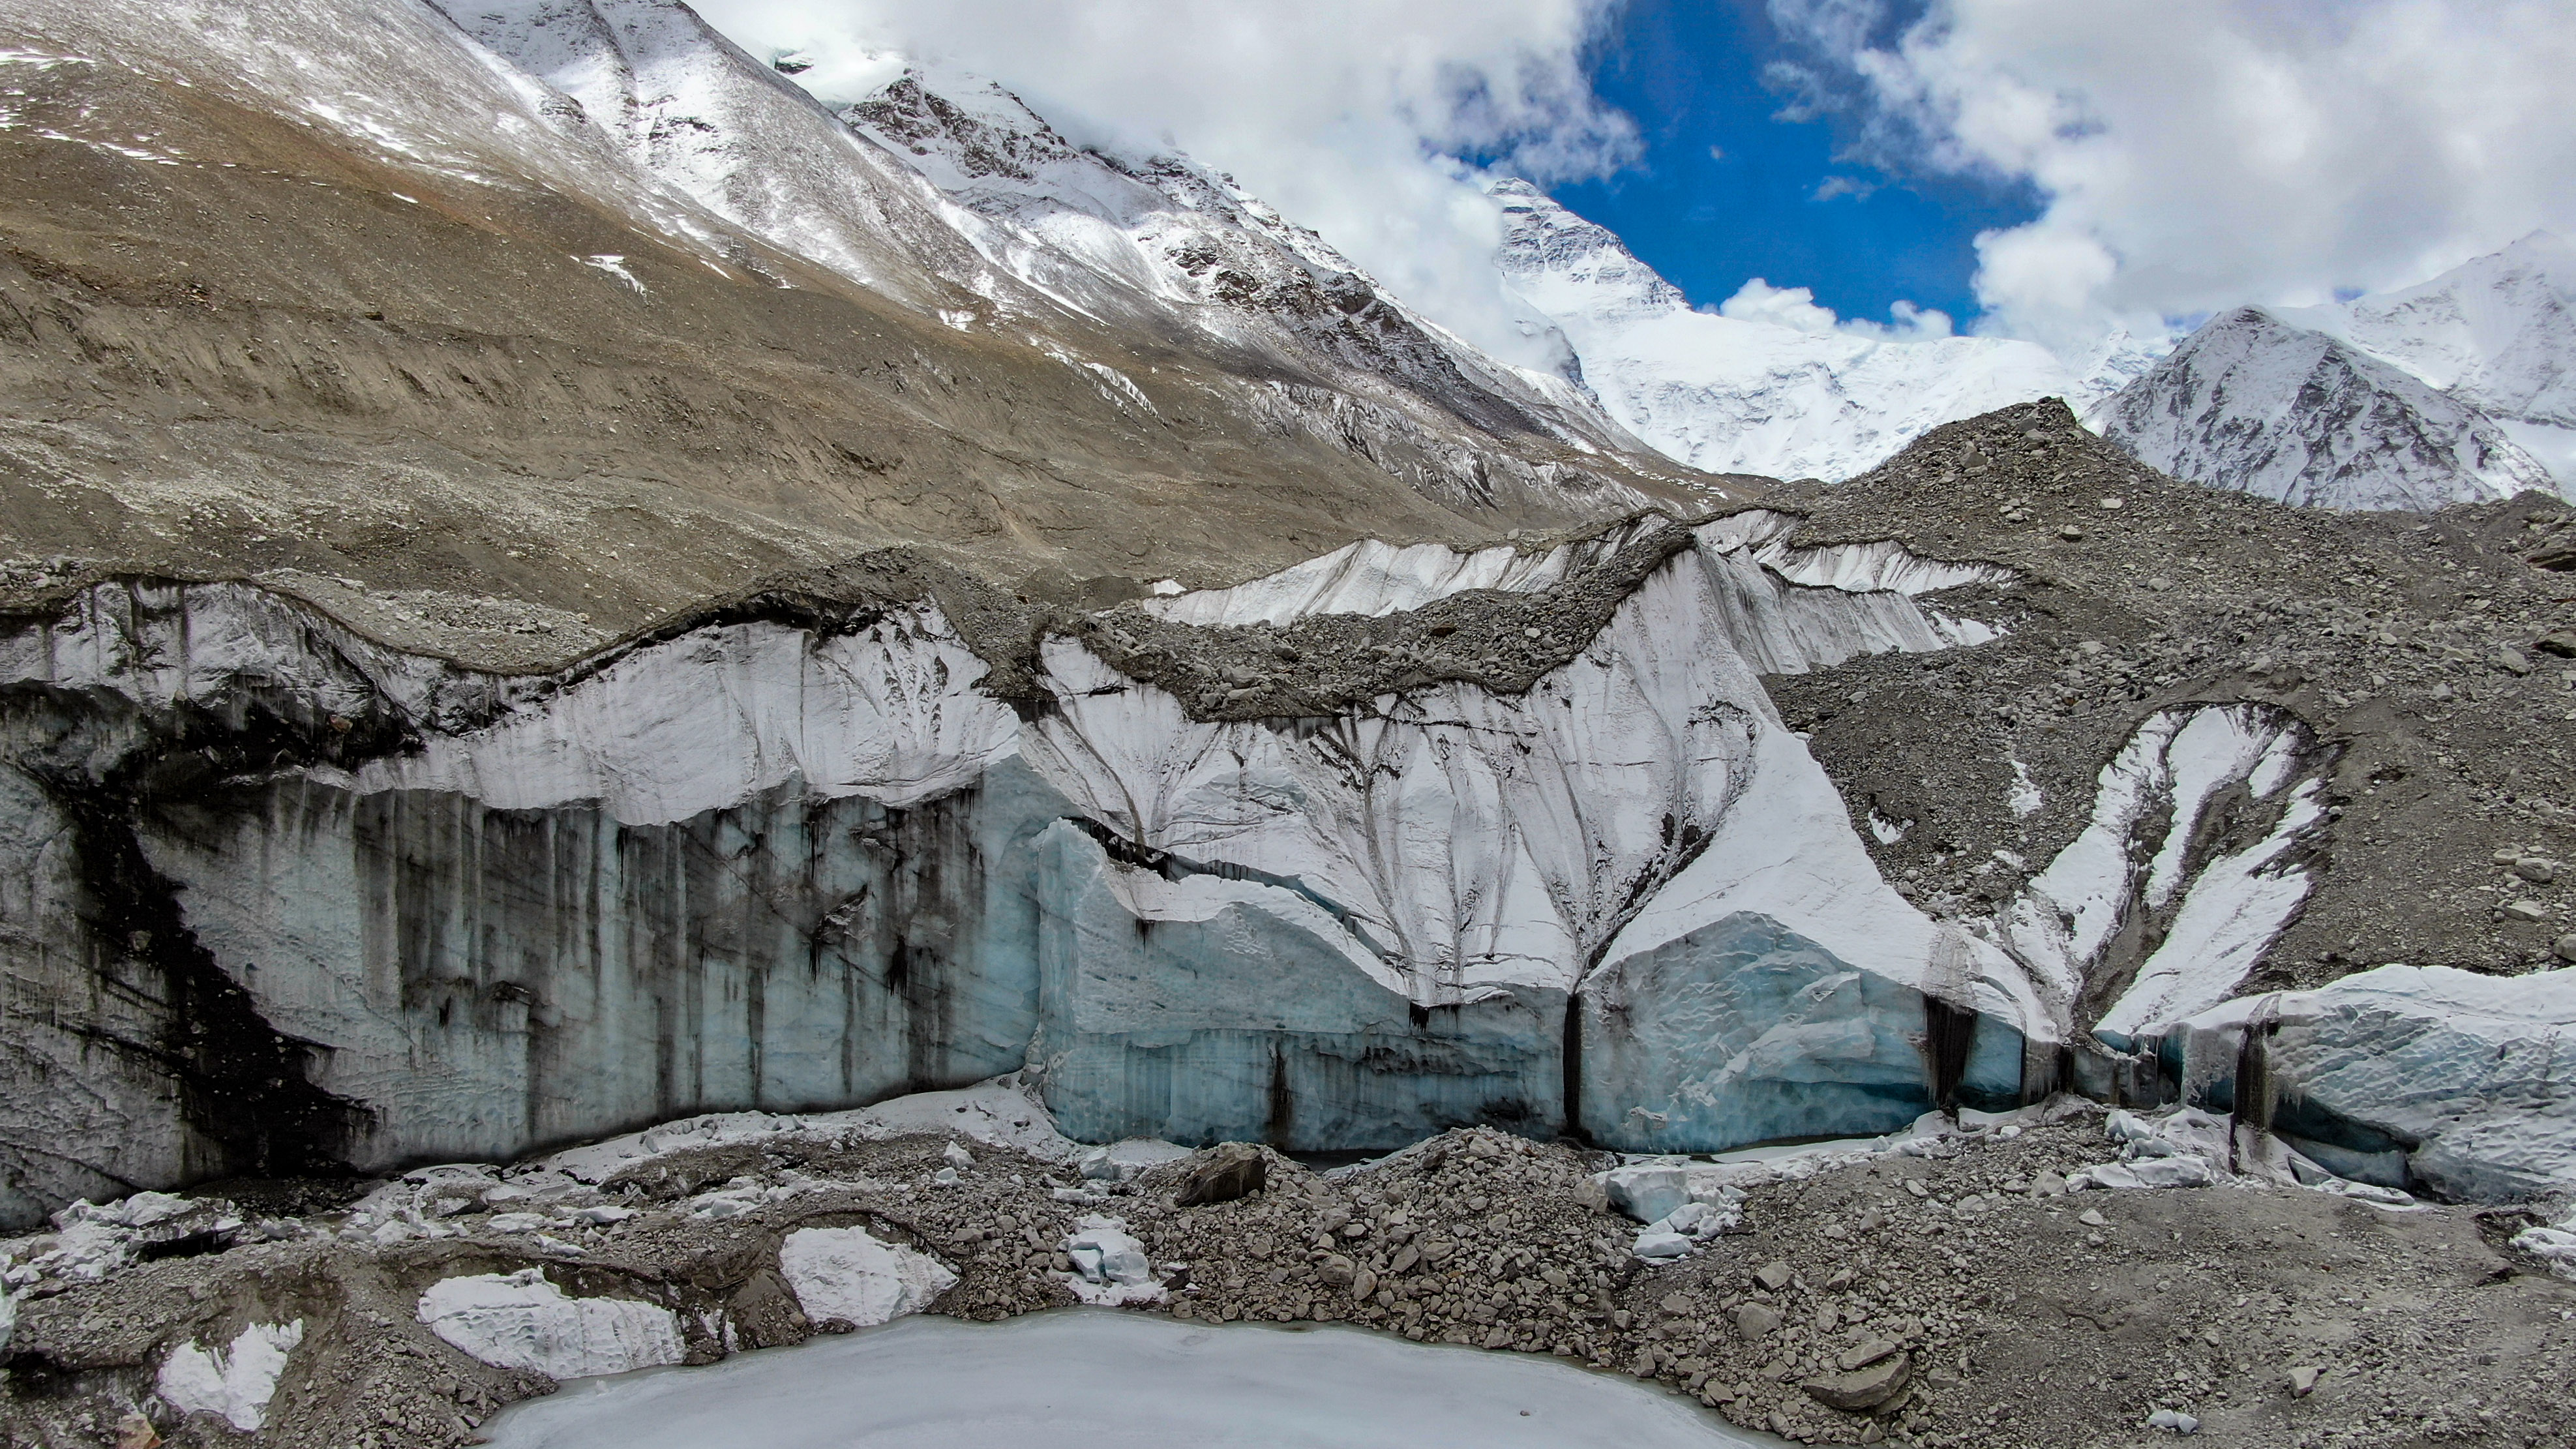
1690, 73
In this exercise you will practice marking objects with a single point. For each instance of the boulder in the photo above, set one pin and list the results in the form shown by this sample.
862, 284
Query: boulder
1224, 1173
1862, 1389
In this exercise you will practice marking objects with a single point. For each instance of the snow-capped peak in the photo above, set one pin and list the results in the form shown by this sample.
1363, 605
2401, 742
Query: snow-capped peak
968, 129
1740, 394
2497, 333
2255, 403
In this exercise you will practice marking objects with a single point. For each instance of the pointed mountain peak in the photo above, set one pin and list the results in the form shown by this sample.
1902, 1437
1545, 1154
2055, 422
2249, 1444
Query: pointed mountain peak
971, 123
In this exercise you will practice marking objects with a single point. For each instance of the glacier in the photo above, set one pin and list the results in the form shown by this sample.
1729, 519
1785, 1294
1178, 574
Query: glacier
780, 865
2405, 1075
772, 864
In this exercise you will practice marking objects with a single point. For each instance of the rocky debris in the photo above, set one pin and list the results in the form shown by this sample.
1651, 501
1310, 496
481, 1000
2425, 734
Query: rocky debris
1940, 1291
1223, 1174
1860, 1390
2385, 634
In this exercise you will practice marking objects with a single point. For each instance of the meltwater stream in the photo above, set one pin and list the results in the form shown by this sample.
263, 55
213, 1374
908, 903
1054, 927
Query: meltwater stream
1079, 1378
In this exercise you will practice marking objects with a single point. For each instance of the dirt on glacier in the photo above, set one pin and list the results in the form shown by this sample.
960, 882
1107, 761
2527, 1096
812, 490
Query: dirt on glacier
2432, 655
2012, 1312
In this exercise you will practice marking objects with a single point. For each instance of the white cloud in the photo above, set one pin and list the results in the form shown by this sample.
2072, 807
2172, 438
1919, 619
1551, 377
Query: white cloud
2193, 154
1348, 117
1759, 301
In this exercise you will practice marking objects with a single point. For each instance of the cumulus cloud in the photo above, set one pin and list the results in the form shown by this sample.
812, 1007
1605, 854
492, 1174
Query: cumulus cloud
1759, 301
1370, 120
2193, 154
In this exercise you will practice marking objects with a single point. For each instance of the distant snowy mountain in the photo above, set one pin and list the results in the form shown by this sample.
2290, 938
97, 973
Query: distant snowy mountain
2254, 403
2497, 333
1737, 395
2459, 389
948, 193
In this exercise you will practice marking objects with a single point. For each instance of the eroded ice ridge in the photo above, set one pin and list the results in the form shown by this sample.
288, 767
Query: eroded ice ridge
777, 867
761, 866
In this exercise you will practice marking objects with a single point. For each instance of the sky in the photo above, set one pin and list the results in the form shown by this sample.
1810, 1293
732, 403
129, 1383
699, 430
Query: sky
2026, 168
1725, 189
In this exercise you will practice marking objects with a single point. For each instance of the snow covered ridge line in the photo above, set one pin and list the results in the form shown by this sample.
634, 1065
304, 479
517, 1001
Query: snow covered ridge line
2253, 403
946, 193
1753, 393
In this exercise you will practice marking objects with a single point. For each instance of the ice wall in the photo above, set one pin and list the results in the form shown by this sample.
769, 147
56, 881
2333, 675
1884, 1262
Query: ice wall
789, 864
2469, 1080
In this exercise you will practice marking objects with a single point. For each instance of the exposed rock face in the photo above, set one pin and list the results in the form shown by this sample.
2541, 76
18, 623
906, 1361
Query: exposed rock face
2254, 403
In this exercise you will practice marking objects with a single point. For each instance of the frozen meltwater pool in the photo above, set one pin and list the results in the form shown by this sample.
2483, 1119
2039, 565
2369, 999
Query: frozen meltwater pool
1077, 1378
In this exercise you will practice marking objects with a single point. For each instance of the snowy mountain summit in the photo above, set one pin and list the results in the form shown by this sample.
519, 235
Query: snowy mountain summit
1138, 238
1751, 395
2460, 389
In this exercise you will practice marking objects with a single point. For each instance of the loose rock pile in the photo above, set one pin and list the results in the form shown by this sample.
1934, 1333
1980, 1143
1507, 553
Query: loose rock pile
1954, 1292
2436, 653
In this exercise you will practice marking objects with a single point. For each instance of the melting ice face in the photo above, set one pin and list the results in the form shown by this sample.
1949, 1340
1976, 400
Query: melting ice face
1082, 1378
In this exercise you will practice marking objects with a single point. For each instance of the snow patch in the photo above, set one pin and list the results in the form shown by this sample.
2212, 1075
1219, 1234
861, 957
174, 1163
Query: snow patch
845, 1275
613, 264
521, 1321
234, 1382
2024, 796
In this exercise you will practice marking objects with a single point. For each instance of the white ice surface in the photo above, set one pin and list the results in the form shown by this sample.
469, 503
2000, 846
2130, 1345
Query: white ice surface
1880, 565
2478, 1071
706, 720
2062, 923
1001, 1111
845, 1274
1376, 579
1089, 1379
521, 1321
235, 1381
